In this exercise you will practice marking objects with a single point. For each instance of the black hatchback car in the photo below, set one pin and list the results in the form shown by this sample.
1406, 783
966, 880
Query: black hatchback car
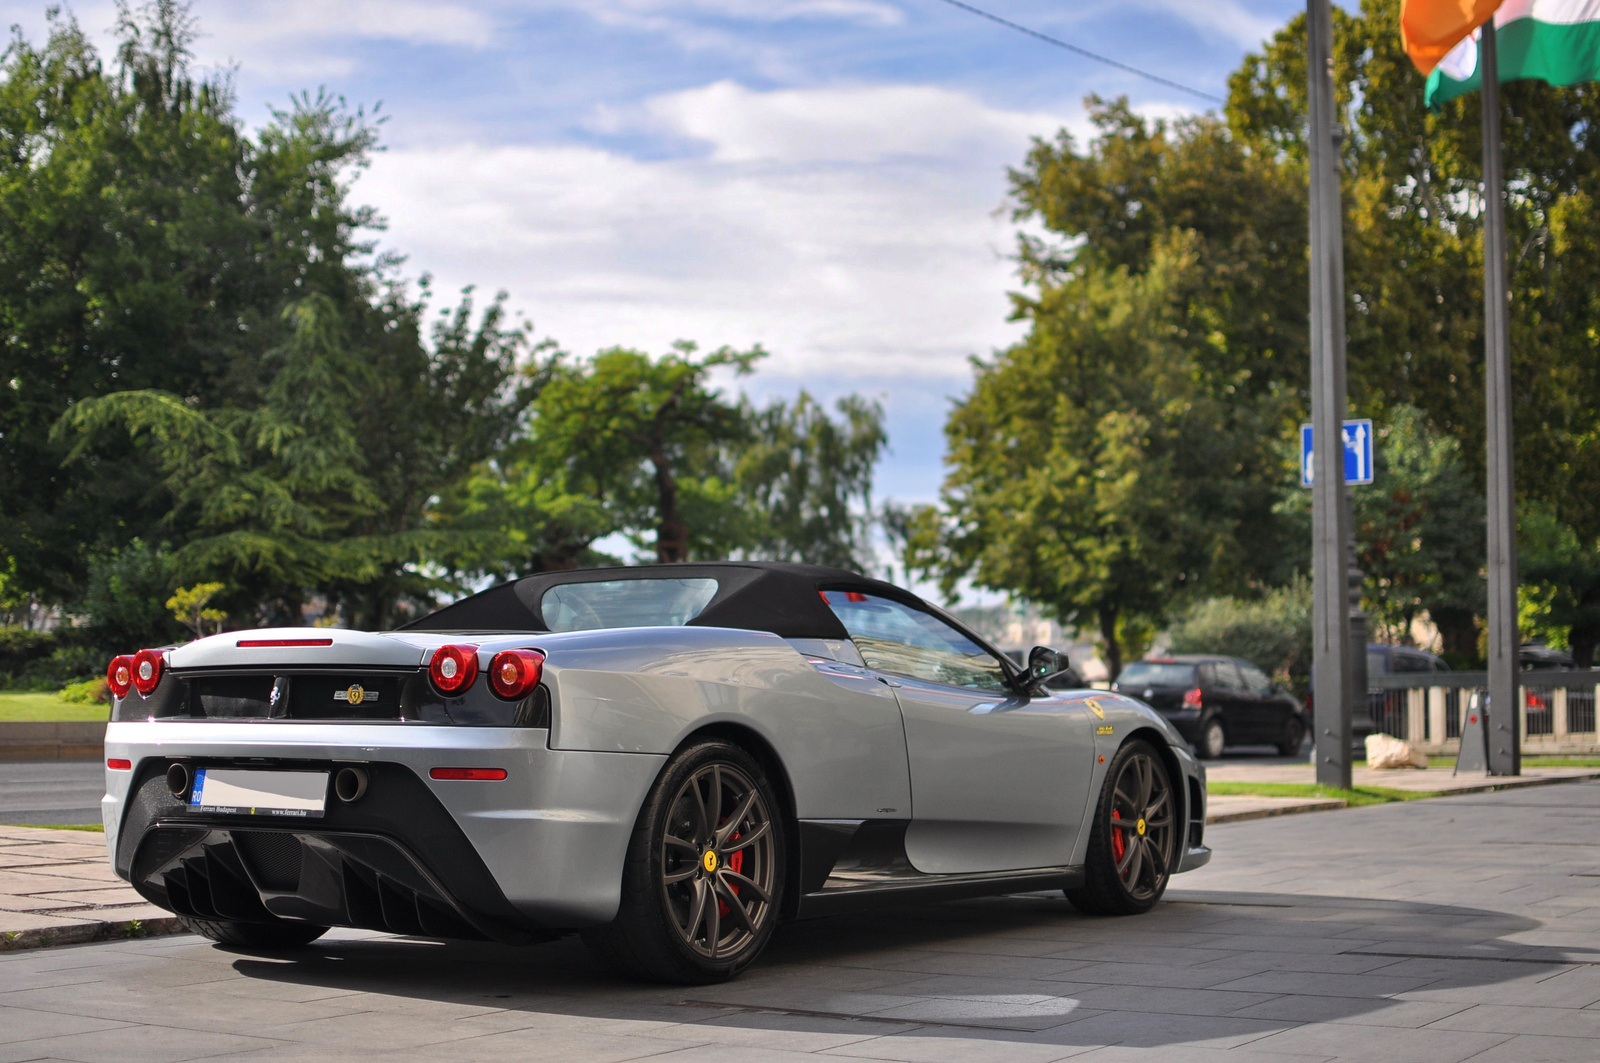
1217, 701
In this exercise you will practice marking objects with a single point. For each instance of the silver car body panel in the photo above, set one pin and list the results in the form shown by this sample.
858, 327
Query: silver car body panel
983, 784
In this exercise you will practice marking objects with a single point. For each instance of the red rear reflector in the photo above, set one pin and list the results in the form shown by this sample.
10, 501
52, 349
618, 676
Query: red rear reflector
119, 676
469, 774
147, 665
255, 643
453, 668
118, 764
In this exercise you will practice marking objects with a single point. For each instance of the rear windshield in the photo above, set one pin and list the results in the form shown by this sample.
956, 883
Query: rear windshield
1148, 674
625, 603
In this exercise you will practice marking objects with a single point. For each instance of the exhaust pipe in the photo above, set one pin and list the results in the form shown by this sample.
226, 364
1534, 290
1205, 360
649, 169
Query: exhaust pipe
179, 780
350, 784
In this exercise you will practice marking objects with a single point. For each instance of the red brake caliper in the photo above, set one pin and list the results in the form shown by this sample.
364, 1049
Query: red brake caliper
736, 865
1119, 844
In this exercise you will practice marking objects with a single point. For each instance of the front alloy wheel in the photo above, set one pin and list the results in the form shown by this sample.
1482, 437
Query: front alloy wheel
1133, 840
703, 881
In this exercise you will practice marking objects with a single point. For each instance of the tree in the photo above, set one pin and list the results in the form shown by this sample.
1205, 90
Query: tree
148, 243
293, 496
634, 431
1272, 631
805, 480
1413, 240
1088, 466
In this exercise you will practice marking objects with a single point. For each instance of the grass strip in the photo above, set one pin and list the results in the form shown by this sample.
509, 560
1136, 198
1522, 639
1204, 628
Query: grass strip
1358, 796
37, 707
97, 828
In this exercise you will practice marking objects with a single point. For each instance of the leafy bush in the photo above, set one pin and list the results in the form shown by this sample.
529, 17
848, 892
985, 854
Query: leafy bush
89, 692
20, 647
126, 601
1273, 631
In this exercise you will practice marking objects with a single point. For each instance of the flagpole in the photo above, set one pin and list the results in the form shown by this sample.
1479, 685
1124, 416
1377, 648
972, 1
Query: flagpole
1503, 735
1330, 513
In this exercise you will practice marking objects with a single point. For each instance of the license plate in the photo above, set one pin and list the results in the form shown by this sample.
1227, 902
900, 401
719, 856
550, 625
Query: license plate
302, 794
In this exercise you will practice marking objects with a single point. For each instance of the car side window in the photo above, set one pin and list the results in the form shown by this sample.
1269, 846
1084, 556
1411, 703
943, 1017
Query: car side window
901, 640
1255, 680
1227, 675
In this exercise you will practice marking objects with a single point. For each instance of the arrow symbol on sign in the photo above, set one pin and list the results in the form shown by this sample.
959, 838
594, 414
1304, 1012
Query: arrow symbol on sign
1361, 452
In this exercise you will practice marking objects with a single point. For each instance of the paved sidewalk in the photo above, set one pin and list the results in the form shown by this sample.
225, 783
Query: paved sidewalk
1439, 931
57, 887
1417, 780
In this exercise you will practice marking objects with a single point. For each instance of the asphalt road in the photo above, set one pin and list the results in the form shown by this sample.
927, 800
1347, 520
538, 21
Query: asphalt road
51, 791
1441, 930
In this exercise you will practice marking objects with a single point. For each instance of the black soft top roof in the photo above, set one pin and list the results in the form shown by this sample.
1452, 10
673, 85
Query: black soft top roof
754, 595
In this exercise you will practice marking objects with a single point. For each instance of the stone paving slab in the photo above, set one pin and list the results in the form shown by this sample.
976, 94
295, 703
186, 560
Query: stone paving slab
57, 888
1391, 932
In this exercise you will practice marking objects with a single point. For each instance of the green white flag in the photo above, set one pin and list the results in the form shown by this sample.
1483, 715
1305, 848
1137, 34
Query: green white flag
1556, 41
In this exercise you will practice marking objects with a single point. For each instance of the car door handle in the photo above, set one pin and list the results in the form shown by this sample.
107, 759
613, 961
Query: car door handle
887, 682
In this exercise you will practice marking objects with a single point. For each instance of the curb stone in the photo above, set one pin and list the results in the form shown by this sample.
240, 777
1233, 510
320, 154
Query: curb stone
43, 937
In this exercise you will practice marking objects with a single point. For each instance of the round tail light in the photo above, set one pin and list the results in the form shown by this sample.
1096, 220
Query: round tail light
146, 671
119, 676
513, 673
453, 668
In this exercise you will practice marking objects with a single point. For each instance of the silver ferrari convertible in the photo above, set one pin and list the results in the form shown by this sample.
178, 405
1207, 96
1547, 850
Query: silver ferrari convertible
665, 759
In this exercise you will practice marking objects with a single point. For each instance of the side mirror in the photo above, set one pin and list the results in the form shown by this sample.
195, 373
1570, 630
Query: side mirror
1045, 664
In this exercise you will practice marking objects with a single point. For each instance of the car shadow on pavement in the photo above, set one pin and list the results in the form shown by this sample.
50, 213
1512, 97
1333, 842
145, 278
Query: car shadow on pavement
1226, 968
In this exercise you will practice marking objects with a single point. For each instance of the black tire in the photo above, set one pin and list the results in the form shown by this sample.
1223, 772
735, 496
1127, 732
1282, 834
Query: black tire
689, 869
1212, 739
278, 934
1127, 869
1294, 736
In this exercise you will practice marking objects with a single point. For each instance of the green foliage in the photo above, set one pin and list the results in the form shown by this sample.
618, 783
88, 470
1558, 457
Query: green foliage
1273, 631
94, 691
640, 434
1413, 250
805, 481
22, 649
188, 607
1560, 593
151, 245
1092, 469
125, 601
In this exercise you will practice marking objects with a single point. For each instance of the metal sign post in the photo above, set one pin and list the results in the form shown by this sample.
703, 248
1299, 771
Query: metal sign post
1503, 734
1330, 511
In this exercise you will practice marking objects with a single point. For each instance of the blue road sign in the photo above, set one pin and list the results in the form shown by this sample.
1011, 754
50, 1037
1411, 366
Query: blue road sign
1357, 453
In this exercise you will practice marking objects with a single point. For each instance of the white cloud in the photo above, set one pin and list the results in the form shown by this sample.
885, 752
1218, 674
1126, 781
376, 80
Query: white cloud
1223, 20
869, 12
299, 21
843, 261
841, 124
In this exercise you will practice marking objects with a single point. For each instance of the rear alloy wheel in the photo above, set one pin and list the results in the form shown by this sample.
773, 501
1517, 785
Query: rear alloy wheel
703, 882
1294, 736
1212, 739
1133, 837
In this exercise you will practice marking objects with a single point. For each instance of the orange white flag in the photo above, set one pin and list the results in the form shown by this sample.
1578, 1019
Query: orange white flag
1430, 28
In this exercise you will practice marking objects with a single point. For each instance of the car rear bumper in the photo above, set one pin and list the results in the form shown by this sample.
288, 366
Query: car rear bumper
1186, 721
542, 848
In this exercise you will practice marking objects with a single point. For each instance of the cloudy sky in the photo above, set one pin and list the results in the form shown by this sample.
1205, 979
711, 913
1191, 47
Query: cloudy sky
824, 177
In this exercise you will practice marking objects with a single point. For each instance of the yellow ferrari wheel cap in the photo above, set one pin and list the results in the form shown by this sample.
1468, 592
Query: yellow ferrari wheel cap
710, 860
1139, 826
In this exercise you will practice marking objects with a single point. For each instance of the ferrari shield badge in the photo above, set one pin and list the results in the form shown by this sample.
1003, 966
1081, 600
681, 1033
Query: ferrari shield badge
355, 694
